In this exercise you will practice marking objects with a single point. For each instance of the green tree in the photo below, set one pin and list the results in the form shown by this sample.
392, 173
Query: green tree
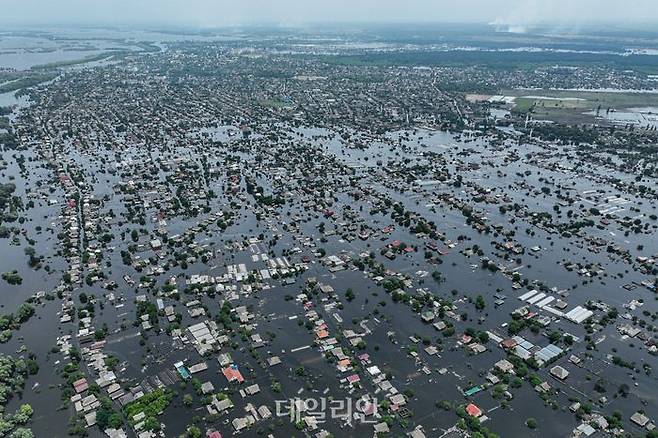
193, 432
479, 302
23, 414
22, 432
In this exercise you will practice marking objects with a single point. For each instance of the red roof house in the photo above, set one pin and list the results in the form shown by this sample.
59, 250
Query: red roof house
233, 374
473, 410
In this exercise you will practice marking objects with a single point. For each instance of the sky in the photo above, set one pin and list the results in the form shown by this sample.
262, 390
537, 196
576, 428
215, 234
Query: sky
215, 13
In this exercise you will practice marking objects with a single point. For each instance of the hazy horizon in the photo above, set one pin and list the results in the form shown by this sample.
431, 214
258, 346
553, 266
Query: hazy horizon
515, 14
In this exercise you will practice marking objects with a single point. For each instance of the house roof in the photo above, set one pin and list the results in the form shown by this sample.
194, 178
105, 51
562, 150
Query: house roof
233, 374
473, 410
559, 372
354, 378
508, 343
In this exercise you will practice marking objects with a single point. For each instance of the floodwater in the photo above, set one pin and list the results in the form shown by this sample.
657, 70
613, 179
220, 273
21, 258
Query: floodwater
24, 60
462, 275
372, 306
10, 99
646, 117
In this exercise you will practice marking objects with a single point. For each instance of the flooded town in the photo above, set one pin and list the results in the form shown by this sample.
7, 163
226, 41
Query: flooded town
408, 231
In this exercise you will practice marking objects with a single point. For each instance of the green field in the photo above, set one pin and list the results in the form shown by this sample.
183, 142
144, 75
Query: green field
570, 106
276, 103
588, 99
523, 104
